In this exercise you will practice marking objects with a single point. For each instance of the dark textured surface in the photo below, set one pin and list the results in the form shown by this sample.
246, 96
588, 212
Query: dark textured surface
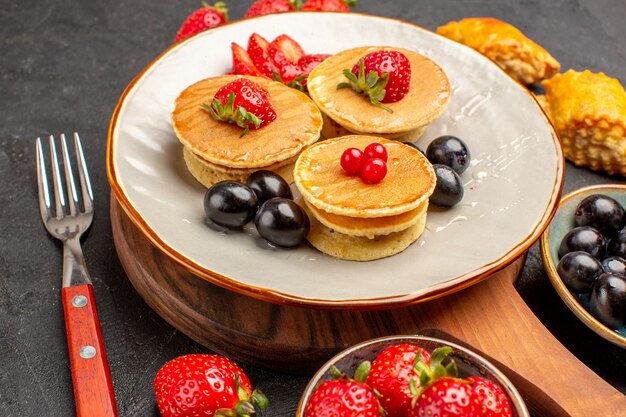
65, 63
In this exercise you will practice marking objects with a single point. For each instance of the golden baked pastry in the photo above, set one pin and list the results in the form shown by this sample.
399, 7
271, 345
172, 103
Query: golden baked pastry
589, 113
354, 220
427, 98
504, 44
214, 150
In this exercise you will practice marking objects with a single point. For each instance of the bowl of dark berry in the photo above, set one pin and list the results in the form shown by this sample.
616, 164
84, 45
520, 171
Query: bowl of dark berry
584, 253
409, 376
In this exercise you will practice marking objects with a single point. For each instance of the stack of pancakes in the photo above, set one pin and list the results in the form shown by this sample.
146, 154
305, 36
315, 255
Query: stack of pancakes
346, 111
214, 151
353, 220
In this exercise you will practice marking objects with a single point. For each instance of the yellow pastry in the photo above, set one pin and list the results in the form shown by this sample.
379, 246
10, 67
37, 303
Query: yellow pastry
589, 113
215, 150
504, 44
348, 112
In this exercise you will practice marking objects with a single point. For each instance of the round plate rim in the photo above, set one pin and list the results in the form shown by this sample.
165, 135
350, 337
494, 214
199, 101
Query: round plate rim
274, 296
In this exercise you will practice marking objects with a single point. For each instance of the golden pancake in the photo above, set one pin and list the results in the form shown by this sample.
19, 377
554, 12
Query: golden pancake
298, 123
370, 228
428, 96
355, 248
318, 174
332, 129
208, 174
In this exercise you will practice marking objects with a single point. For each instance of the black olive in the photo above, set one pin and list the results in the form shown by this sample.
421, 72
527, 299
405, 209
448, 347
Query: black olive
579, 270
583, 238
617, 246
230, 204
600, 212
268, 184
608, 300
282, 222
450, 151
615, 264
449, 188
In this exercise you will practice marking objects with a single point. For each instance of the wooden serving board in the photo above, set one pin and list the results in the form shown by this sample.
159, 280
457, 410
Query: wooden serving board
489, 317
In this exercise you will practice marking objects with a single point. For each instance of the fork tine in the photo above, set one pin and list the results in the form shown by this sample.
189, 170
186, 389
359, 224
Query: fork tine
59, 195
72, 198
83, 174
42, 183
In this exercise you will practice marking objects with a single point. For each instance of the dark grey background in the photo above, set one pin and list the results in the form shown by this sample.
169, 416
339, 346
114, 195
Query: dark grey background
63, 67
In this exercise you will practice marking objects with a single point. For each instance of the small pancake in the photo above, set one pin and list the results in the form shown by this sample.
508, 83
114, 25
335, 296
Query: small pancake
428, 96
370, 228
354, 248
298, 124
332, 129
208, 174
318, 174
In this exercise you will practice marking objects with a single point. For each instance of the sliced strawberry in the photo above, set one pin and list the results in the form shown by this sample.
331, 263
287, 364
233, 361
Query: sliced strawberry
284, 50
242, 63
259, 51
308, 62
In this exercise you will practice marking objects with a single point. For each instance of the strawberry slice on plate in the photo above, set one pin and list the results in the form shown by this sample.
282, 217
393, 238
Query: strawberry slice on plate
242, 63
259, 51
308, 62
284, 50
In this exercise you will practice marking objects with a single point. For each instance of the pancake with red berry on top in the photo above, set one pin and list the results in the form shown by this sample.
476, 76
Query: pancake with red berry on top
366, 196
231, 126
384, 91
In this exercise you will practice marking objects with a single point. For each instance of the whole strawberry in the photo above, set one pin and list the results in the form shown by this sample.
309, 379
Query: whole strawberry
261, 7
329, 5
344, 397
384, 76
205, 385
244, 103
204, 18
488, 399
391, 374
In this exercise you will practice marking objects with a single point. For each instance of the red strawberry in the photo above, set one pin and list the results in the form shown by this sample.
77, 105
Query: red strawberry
344, 397
284, 50
446, 397
242, 63
261, 7
391, 372
204, 18
329, 5
244, 103
389, 80
488, 399
259, 51
308, 62
198, 384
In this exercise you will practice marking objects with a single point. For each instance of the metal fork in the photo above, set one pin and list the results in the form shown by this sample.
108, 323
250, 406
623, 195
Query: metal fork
67, 221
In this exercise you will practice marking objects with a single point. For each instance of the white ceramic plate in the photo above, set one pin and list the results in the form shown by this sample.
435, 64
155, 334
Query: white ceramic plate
511, 188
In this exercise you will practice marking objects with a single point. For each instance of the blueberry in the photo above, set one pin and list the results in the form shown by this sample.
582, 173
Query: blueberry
268, 184
583, 238
230, 204
617, 247
450, 151
608, 300
449, 188
600, 212
614, 264
578, 270
282, 222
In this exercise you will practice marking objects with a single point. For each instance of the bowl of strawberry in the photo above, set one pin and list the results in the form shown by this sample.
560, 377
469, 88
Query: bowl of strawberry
410, 376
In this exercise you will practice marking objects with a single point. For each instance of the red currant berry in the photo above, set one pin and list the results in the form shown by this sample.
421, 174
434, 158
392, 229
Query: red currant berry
374, 170
375, 150
352, 161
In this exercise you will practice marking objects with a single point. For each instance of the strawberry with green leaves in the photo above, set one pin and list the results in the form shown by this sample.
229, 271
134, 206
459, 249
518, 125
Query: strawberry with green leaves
204, 18
262, 7
205, 385
344, 397
391, 374
244, 103
329, 5
383, 76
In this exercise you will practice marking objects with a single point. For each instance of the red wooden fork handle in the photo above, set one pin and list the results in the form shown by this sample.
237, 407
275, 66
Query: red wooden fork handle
93, 388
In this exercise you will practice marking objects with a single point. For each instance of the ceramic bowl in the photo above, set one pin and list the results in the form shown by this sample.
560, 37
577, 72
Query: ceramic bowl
468, 362
563, 222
